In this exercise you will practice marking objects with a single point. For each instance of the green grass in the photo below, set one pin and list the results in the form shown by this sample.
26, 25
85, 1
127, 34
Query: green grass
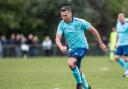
52, 73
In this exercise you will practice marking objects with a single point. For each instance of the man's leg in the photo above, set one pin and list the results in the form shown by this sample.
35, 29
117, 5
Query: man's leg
84, 81
126, 71
118, 56
126, 66
120, 61
125, 53
75, 70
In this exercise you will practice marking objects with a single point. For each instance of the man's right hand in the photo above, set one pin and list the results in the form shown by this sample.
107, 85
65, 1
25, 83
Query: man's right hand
63, 49
103, 47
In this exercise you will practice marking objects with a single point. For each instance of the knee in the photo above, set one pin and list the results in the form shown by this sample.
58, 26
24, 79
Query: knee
71, 64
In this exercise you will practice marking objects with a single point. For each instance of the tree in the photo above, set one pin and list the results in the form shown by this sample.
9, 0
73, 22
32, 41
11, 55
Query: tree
42, 16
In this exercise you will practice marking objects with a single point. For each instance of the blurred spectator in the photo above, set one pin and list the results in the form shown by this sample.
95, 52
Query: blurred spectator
4, 40
24, 47
12, 39
29, 42
18, 45
47, 46
4, 44
11, 45
35, 47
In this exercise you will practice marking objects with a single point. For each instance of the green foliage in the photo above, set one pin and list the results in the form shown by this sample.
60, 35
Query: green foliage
115, 6
42, 16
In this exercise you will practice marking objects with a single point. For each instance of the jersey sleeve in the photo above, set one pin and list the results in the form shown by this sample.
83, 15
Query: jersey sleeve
85, 25
59, 29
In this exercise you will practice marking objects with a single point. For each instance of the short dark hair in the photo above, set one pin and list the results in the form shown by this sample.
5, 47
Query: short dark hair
65, 8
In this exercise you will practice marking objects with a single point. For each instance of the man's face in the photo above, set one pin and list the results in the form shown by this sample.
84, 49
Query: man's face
66, 16
121, 18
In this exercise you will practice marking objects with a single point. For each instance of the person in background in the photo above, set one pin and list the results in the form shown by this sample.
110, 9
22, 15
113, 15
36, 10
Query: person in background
112, 43
47, 46
11, 43
121, 53
18, 45
4, 42
24, 47
12, 39
29, 42
36, 46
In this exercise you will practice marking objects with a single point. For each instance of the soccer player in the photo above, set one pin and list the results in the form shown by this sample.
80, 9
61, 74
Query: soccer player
72, 29
121, 54
112, 43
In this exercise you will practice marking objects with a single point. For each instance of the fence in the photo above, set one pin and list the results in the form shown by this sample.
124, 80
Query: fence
15, 51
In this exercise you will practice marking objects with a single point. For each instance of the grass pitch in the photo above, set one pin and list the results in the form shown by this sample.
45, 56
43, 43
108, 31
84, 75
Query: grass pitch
53, 73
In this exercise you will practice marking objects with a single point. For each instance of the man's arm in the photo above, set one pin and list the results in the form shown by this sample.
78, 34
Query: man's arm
98, 39
59, 44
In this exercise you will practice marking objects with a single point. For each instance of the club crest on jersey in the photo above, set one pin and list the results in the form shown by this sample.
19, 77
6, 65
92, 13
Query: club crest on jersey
73, 28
